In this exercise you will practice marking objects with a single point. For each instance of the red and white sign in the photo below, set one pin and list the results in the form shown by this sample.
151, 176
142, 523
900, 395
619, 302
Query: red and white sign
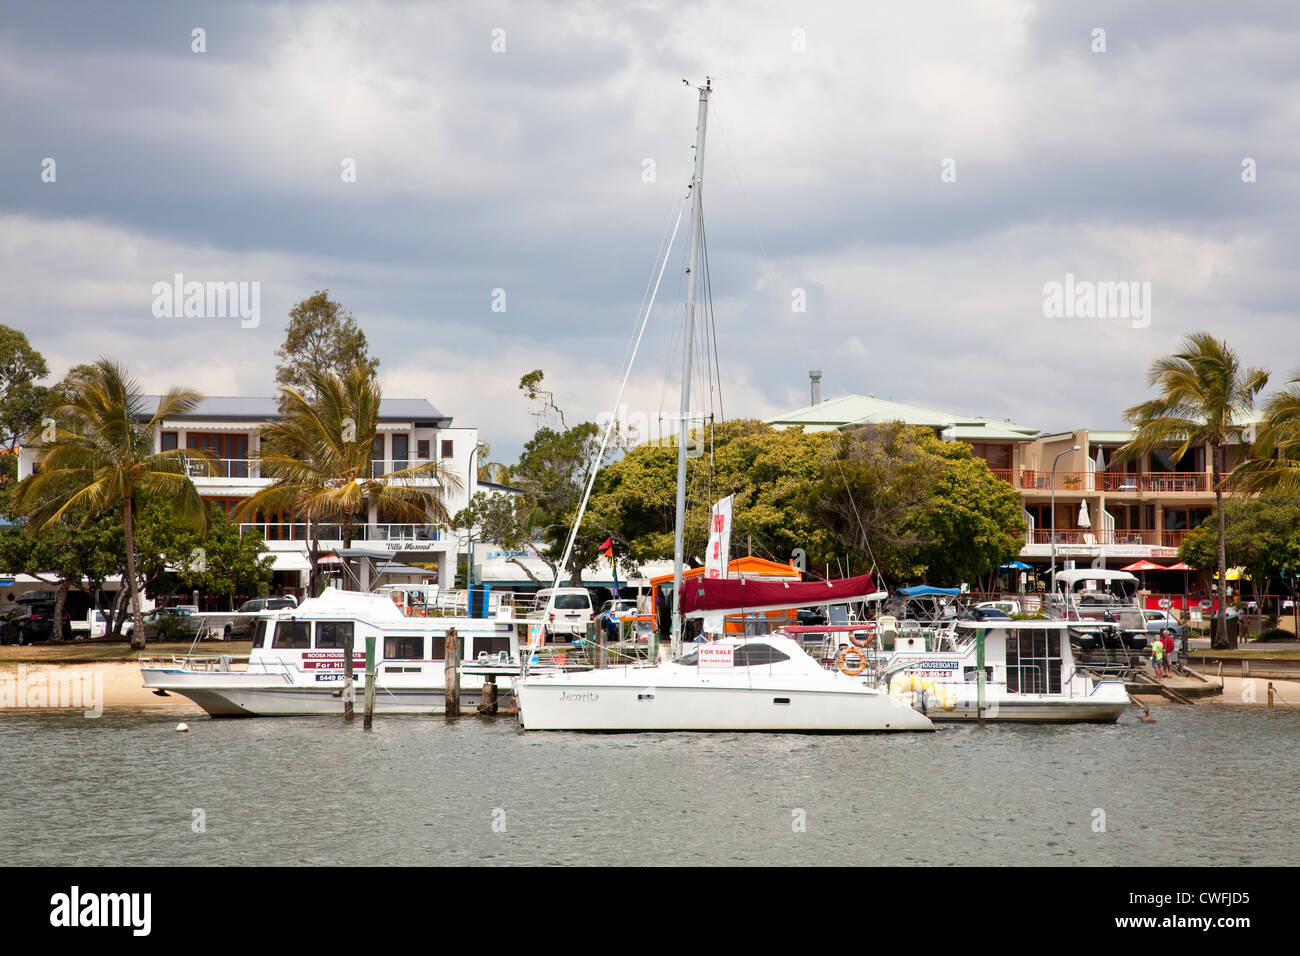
718, 556
716, 655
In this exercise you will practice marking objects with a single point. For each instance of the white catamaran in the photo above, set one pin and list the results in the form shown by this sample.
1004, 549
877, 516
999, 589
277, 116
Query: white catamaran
736, 683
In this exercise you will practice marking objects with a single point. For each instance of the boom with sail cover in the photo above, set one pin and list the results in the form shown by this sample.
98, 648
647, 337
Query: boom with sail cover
707, 595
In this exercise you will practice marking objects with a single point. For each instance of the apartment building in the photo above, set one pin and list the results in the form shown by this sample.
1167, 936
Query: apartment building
1107, 513
410, 432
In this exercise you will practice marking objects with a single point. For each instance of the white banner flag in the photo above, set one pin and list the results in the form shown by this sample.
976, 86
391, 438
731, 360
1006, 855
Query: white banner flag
717, 558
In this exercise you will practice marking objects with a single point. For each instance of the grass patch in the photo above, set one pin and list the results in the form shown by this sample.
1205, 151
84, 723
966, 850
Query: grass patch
104, 651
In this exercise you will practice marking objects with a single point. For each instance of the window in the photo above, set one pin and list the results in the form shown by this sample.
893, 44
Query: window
334, 634
169, 441
231, 450
998, 457
401, 451
403, 647
748, 655
447, 446
1034, 661
259, 635
572, 602
422, 449
491, 645
377, 457
292, 634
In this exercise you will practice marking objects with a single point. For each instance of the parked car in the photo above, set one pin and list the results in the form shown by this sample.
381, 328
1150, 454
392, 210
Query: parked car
1157, 621
32, 623
172, 623
241, 625
96, 624
563, 610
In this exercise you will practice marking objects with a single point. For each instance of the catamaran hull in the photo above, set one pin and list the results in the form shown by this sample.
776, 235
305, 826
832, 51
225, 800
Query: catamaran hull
601, 707
244, 697
1104, 707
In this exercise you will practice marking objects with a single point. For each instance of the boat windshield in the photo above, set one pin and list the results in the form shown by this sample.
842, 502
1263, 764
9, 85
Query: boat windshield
746, 655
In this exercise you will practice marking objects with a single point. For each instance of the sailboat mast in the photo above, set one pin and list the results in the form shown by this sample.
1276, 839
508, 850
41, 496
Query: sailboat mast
697, 221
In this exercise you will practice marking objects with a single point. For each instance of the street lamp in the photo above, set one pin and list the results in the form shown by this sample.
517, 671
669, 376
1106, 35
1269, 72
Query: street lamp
1052, 482
471, 474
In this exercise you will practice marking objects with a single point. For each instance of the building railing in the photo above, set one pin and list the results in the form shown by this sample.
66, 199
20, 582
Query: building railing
389, 533
1111, 482
251, 468
1092, 536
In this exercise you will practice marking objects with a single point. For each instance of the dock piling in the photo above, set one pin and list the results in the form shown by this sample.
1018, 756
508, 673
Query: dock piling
349, 689
370, 682
451, 707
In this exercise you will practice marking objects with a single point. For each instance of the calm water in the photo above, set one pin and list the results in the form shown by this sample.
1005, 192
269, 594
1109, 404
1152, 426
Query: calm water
1203, 784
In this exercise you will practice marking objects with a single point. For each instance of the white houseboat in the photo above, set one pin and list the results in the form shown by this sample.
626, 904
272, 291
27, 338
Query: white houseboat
296, 666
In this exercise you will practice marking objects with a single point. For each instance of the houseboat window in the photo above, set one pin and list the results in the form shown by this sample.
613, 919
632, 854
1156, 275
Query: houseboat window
1034, 662
438, 650
334, 633
403, 648
259, 634
750, 654
493, 645
292, 634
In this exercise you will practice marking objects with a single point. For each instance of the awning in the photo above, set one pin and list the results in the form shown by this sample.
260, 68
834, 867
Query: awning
925, 590
710, 595
289, 561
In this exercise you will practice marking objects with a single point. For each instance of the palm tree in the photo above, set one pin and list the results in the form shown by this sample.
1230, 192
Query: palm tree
1206, 398
1275, 463
104, 460
319, 455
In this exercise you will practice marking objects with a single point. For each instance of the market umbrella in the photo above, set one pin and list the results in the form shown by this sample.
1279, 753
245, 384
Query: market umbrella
1144, 566
1084, 520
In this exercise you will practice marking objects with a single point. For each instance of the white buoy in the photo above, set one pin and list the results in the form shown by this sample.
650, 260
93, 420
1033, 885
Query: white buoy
182, 728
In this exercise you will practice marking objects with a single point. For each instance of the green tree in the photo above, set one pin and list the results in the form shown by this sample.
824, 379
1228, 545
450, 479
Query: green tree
102, 457
319, 457
1274, 464
502, 519
1261, 535
218, 560
1205, 398
22, 402
321, 336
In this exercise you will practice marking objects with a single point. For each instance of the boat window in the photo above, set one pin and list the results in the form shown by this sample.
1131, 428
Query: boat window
748, 655
292, 634
492, 645
259, 634
403, 647
438, 652
334, 633
1034, 662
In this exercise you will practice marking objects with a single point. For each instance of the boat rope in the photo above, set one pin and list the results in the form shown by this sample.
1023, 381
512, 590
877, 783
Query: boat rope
609, 426
862, 528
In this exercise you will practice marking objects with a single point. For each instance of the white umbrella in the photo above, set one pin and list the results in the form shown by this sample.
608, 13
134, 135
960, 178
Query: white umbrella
1101, 459
1084, 520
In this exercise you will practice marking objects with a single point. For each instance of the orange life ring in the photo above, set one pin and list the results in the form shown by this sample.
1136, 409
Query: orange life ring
870, 628
559, 659
841, 661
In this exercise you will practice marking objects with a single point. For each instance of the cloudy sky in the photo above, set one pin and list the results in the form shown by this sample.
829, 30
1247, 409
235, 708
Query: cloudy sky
920, 171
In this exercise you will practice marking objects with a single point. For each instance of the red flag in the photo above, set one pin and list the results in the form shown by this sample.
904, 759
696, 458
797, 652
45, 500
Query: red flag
607, 549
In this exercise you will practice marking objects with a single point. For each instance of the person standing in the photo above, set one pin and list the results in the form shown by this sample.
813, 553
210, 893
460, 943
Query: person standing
1158, 657
1171, 652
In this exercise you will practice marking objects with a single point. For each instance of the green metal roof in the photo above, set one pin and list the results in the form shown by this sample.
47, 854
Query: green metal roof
835, 413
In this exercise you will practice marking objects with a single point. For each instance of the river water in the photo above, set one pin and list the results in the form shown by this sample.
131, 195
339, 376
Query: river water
1204, 784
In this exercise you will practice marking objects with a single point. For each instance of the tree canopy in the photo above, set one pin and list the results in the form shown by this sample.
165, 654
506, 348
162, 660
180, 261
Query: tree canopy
321, 335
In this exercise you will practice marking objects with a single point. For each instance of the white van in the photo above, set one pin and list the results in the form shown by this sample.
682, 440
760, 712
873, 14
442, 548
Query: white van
563, 610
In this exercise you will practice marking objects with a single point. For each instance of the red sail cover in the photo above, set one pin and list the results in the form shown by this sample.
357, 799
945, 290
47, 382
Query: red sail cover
709, 595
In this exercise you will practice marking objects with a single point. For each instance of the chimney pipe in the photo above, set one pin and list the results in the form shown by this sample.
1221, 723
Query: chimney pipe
816, 378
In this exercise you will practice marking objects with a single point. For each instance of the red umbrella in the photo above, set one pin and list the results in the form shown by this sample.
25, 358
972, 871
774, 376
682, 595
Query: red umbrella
1144, 566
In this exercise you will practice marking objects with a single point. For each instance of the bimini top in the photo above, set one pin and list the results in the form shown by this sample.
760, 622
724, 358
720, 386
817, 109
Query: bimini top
925, 590
1093, 574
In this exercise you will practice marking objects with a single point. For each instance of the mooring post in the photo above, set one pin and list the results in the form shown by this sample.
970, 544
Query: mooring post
488, 705
1270, 695
452, 672
370, 681
979, 674
349, 689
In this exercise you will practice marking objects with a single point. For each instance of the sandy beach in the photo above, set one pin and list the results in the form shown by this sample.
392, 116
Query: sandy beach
85, 687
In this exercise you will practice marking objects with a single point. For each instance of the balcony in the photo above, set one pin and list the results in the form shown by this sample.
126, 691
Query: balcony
399, 537
250, 468
1097, 536
1149, 483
